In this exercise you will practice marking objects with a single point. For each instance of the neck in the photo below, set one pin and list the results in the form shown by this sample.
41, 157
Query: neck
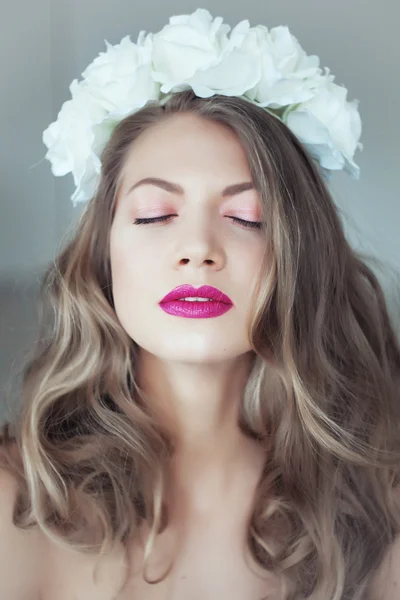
200, 404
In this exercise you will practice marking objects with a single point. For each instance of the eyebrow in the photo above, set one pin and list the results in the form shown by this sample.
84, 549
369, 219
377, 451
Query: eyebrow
231, 190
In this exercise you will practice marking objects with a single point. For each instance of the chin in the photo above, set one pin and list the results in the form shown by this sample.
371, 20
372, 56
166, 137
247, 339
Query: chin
195, 352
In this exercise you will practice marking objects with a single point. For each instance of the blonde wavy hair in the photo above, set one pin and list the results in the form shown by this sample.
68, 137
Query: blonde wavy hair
323, 396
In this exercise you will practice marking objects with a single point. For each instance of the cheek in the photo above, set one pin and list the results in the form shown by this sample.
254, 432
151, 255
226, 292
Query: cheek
247, 259
133, 263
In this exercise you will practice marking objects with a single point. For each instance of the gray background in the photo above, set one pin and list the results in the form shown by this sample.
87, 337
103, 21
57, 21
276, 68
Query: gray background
45, 44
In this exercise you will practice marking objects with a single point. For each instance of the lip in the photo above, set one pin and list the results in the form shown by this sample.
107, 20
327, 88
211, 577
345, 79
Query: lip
173, 305
205, 291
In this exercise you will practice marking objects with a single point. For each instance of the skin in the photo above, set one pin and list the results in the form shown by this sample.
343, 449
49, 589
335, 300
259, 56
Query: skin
194, 372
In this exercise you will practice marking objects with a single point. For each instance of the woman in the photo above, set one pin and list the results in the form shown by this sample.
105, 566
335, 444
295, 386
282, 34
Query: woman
250, 452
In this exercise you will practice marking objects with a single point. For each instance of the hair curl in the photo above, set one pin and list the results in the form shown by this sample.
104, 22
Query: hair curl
323, 395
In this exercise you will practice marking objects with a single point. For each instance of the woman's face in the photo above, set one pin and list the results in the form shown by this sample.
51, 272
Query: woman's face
201, 244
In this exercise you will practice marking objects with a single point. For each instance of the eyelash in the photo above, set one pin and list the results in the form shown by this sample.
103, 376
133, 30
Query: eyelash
243, 222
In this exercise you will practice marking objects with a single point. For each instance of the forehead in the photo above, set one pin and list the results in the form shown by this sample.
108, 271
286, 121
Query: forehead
187, 143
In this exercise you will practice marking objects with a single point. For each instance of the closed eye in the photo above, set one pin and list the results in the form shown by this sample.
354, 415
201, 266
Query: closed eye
151, 220
242, 222
251, 224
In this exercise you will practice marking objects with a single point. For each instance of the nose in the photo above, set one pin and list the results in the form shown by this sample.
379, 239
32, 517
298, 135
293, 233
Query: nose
199, 245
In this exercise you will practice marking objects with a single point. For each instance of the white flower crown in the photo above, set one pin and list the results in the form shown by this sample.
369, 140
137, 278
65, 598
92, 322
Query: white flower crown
268, 68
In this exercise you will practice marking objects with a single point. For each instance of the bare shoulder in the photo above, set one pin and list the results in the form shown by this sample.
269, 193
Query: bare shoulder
19, 549
386, 583
32, 567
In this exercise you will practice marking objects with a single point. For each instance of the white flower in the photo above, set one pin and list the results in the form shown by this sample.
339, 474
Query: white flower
268, 68
69, 139
121, 76
115, 84
288, 75
330, 126
195, 50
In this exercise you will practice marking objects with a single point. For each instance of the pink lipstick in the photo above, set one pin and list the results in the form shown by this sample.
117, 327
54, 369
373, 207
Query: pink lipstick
203, 303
